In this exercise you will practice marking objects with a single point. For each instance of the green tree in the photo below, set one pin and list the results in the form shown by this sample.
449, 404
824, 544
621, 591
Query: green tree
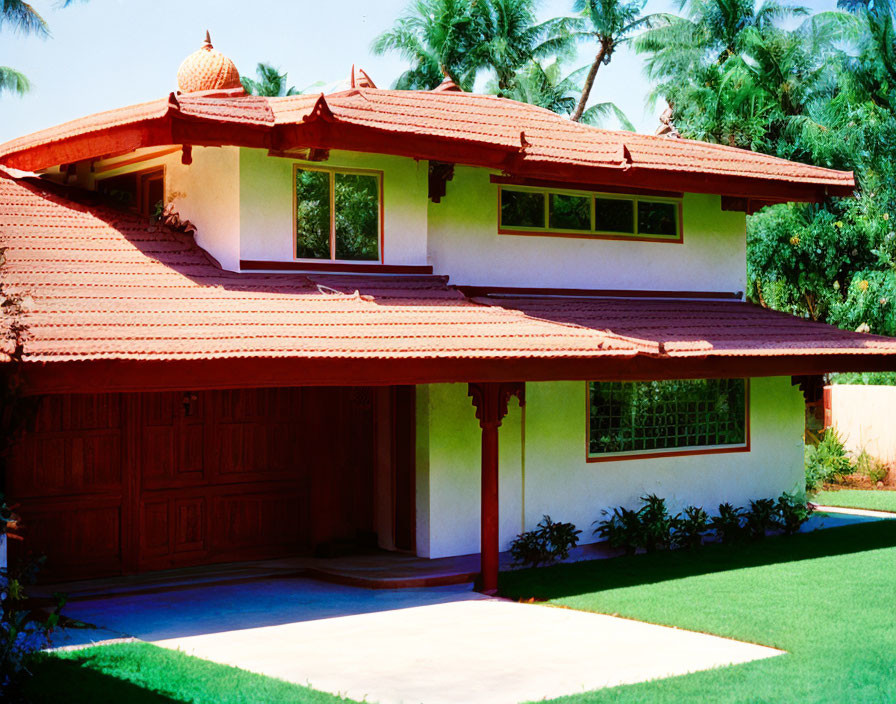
270, 82
546, 86
438, 38
509, 38
609, 24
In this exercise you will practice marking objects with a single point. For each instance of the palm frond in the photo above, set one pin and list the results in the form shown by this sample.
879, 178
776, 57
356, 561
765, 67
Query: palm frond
12, 81
23, 18
596, 114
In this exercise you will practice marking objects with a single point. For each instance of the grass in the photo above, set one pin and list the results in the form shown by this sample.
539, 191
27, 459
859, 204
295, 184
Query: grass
824, 597
141, 673
876, 500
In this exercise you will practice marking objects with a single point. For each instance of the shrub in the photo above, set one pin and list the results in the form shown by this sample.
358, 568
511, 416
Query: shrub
549, 542
760, 518
689, 527
826, 462
729, 524
870, 467
23, 631
792, 512
621, 530
656, 523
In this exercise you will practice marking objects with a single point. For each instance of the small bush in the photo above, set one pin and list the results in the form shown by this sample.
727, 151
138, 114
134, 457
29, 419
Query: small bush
761, 518
621, 530
870, 467
549, 542
826, 462
656, 523
689, 527
792, 512
729, 524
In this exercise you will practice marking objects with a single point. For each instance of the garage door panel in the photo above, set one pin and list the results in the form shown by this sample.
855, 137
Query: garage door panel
259, 521
79, 539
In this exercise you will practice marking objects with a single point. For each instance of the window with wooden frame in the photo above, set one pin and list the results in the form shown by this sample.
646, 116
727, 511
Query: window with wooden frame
338, 214
142, 191
524, 210
661, 418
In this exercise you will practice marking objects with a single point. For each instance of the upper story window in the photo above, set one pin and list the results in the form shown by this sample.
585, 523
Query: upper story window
680, 416
535, 211
142, 191
338, 214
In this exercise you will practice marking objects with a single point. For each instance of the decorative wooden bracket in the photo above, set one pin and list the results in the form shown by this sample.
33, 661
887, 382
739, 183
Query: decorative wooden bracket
440, 173
186, 154
491, 400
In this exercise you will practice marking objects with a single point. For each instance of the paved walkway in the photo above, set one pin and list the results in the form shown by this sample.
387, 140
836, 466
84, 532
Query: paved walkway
443, 645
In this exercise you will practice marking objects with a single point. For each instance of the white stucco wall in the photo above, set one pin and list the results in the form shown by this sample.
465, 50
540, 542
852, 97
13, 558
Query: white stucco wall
464, 243
543, 468
206, 192
266, 207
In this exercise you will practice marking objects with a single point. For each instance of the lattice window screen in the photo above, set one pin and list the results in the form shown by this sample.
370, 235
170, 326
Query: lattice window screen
646, 416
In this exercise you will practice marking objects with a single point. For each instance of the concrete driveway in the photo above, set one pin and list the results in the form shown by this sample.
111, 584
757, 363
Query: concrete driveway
445, 645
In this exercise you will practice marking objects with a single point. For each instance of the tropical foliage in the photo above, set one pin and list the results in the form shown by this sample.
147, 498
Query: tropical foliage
525, 58
269, 82
821, 93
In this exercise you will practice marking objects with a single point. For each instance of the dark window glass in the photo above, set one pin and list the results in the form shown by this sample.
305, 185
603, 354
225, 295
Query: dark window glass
569, 212
357, 200
657, 218
614, 215
312, 214
666, 415
522, 209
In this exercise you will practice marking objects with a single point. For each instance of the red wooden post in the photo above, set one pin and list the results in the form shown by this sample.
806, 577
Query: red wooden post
490, 400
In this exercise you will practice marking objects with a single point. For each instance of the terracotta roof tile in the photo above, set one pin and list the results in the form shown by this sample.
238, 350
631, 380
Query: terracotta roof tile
108, 285
473, 119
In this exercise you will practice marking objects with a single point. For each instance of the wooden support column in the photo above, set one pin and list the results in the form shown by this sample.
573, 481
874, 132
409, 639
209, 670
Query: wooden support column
490, 400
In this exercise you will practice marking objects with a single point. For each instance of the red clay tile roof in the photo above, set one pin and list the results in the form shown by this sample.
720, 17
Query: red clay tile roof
498, 133
113, 286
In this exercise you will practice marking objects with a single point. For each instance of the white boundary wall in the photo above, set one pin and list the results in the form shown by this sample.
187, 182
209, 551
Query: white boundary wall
865, 418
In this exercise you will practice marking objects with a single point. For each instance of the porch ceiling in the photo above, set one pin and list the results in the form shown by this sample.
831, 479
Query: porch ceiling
123, 304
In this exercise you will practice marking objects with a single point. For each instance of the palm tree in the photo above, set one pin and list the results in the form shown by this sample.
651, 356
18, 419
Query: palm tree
438, 38
547, 87
509, 38
609, 23
270, 82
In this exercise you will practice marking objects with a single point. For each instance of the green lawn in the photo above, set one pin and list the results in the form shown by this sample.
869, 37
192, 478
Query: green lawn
858, 498
140, 673
825, 597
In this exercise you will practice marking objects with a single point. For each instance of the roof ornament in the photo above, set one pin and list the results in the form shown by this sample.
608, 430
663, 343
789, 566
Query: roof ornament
624, 156
667, 125
207, 69
447, 85
320, 111
360, 79
524, 143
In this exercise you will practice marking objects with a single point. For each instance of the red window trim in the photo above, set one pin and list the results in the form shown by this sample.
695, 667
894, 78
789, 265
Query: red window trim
332, 170
334, 266
656, 239
646, 455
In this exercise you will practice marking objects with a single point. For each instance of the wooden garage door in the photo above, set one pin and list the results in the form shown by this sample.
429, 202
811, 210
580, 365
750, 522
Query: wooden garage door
118, 483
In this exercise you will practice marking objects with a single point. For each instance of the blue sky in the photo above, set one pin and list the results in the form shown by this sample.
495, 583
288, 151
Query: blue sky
105, 54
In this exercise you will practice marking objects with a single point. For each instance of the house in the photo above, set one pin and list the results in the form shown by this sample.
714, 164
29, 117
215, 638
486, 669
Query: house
417, 320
